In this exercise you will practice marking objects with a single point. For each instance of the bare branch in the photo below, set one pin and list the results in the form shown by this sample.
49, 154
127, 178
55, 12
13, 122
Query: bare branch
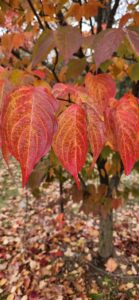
66, 100
112, 14
36, 15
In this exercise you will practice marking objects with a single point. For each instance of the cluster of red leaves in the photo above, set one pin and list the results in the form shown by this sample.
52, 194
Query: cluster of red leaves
29, 125
96, 116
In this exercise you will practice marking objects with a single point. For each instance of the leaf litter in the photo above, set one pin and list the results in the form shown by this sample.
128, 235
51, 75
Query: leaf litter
45, 254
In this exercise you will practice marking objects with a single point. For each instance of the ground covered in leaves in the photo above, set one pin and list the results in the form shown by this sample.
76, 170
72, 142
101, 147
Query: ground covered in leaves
47, 255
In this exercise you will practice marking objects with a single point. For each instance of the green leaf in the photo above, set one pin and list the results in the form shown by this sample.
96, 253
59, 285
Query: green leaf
134, 72
133, 38
96, 296
75, 68
104, 66
125, 49
106, 152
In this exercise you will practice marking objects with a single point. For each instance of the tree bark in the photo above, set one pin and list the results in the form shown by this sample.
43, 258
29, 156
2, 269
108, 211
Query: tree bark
106, 236
106, 248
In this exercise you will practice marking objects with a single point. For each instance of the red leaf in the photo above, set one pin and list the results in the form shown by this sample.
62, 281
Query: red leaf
70, 142
116, 203
28, 125
96, 133
39, 73
124, 123
5, 87
60, 220
33, 295
77, 93
95, 96
57, 253
100, 88
111, 141
61, 90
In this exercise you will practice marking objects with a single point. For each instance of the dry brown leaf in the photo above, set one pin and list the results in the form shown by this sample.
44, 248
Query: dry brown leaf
111, 265
130, 285
10, 297
25, 297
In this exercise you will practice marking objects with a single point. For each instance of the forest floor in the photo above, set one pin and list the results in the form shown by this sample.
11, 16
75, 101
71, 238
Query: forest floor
45, 254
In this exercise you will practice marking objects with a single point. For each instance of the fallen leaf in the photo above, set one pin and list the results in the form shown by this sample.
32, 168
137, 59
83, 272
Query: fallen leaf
10, 297
130, 285
3, 281
111, 265
24, 297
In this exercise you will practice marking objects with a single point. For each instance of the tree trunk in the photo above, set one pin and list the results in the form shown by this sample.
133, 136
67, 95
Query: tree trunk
106, 236
106, 248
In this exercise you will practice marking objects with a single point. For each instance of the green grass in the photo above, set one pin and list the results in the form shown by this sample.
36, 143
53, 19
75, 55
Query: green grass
9, 184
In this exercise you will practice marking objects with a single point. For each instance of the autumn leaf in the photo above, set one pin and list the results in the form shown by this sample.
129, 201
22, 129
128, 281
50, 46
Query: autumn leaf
70, 142
111, 265
117, 202
88, 41
10, 297
5, 87
86, 10
75, 68
28, 125
105, 43
124, 125
39, 73
13, 41
133, 72
133, 38
95, 121
96, 132
100, 88
96, 93
59, 38
61, 90
49, 8
63, 37
43, 46
124, 19
77, 93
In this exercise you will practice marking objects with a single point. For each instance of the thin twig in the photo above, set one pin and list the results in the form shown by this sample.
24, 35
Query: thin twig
91, 25
55, 75
16, 54
112, 14
55, 64
66, 100
46, 23
36, 15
